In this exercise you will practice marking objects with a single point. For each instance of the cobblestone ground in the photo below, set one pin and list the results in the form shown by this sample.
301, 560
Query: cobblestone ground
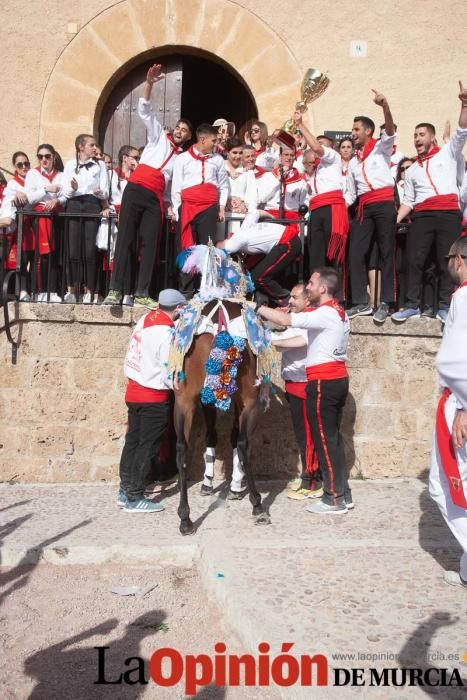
365, 589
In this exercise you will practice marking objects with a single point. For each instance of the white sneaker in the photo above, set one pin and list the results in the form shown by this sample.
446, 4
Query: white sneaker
127, 300
98, 299
69, 298
24, 296
454, 579
41, 297
87, 298
55, 299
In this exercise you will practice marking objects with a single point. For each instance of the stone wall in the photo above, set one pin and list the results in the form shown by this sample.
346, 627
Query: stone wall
62, 412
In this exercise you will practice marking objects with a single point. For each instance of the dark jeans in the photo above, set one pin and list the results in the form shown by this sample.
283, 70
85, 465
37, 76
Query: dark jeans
311, 473
265, 273
82, 241
204, 227
438, 228
139, 230
320, 230
325, 404
378, 224
147, 423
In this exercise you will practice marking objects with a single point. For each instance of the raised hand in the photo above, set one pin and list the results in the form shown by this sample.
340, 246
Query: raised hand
154, 74
379, 98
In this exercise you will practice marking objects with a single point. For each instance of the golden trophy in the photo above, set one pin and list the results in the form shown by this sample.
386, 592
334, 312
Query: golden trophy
314, 83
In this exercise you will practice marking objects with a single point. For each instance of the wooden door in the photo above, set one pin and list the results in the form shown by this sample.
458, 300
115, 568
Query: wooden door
120, 124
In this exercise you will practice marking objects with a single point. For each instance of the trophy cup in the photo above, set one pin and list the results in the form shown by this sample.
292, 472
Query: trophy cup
314, 83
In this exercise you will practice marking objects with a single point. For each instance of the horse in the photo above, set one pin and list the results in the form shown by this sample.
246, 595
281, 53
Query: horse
245, 401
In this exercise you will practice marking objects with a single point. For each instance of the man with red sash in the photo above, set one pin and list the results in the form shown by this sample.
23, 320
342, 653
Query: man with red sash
277, 244
448, 474
328, 382
200, 190
142, 208
369, 178
292, 344
431, 197
329, 219
147, 398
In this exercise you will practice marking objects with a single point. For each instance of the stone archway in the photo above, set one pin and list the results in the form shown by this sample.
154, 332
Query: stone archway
105, 48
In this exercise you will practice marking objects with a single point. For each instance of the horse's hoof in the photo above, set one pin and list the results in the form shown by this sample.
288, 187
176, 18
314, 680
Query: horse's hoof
235, 495
187, 527
262, 519
205, 490
257, 510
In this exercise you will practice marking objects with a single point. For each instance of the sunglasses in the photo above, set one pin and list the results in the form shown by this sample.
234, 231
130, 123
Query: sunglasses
41, 156
455, 255
404, 169
23, 164
255, 131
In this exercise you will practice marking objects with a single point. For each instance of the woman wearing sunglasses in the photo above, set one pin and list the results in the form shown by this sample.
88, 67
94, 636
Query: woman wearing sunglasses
16, 198
257, 135
44, 190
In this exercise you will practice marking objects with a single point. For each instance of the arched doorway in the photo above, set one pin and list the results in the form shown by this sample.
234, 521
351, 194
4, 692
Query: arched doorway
198, 87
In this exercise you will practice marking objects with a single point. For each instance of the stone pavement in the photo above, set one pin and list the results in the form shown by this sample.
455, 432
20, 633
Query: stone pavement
366, 583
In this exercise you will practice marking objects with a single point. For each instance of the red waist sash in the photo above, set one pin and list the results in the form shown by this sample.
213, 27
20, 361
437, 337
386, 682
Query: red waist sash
151, 179
339, 222
440, 202
136, 393
291, 230
195, 200
383, 194
296, 389
327, 370
447, 454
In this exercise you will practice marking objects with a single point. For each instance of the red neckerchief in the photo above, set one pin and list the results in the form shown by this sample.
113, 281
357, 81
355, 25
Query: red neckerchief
363, 153
19, 180
120, 174
49, 176
262, 149
290, 176
334, 304
298, 153
258, 171
178, 149
199, 156
2, 189
432, 152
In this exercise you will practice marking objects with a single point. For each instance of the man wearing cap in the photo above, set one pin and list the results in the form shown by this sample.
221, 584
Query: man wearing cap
147, 398
222, 126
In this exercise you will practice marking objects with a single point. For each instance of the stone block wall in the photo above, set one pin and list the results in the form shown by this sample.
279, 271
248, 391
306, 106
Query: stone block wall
62, 414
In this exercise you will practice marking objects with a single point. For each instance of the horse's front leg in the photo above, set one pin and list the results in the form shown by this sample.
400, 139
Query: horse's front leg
183, 418
237, 483
209, 413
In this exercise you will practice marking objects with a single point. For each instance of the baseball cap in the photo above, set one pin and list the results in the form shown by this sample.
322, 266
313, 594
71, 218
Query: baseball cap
171, 297
220, 122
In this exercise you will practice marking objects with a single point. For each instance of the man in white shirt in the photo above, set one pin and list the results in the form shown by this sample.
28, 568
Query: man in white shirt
431, 197
200, 190
369, 178
448, 474
327, 237
147, 398
328, 382
292, 344
142, 207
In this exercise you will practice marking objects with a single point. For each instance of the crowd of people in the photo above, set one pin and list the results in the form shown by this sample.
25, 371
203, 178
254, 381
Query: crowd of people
249, 192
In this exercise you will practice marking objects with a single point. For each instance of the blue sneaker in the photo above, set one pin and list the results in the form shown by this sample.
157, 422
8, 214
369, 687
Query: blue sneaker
404, 314
142, 506
442, 315
122, 499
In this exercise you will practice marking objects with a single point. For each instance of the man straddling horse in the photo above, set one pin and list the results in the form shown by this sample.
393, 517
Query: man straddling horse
282, 192
148, 400
328, 382
200, 189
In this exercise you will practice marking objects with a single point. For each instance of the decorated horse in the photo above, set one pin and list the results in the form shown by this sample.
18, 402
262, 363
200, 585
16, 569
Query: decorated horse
221, 355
